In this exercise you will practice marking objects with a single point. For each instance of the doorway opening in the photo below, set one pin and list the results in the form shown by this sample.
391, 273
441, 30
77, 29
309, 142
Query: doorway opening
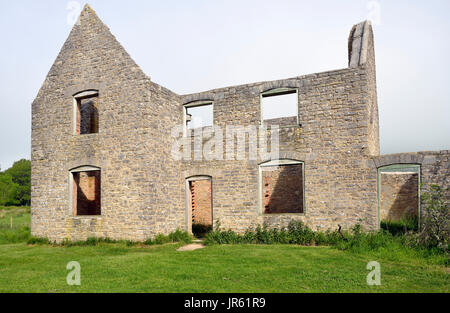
399, 197
200, 212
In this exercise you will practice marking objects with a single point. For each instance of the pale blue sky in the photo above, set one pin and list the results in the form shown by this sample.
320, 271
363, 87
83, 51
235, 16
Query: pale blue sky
191, 45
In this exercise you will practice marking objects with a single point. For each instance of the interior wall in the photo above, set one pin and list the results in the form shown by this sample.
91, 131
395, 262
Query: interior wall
282, 189
201, 204
86, 196
399, 196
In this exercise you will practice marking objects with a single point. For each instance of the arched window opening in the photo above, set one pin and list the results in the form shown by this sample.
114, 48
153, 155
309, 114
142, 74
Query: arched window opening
86, 116
86, 191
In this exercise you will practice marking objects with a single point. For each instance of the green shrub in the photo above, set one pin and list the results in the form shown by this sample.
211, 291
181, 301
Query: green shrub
435, 226
359, 241
180, 236
176, 236
91, 241
401, 227
296, 233
354, 240
38, 241
161, 239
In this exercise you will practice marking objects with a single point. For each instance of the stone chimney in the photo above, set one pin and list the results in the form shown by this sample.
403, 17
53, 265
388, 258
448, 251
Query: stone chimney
360, 44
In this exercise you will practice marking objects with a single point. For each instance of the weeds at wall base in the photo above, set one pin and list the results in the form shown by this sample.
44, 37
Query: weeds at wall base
355, 240
175, 237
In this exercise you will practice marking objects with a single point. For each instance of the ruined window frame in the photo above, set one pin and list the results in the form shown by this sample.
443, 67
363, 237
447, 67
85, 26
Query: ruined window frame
79, 169
193, 104
277, 163
279, 92
90, 93
399, 167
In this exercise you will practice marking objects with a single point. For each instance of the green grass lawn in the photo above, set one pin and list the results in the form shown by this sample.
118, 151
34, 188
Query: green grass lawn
117, 267
240, 268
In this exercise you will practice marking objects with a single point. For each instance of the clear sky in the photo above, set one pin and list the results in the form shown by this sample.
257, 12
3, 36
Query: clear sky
192, 45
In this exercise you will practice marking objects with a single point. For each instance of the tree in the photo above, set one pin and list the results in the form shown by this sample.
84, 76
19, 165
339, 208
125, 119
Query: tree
20, 174
8, 190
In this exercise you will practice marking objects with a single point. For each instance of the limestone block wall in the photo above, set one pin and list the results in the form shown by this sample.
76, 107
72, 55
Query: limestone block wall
141, 193
332, 141
143, 186
338, 133
399, 197
362, 53
434, 168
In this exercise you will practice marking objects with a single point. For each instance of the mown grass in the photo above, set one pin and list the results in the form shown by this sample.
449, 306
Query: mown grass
153, 267
224, 268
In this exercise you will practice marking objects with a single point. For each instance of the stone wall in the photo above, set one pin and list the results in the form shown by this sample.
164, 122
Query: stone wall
141, 195
362, 54
434, 168
143, 186
333, 142
399, 198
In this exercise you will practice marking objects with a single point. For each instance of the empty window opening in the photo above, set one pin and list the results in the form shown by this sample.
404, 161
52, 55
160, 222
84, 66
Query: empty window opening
282, 188
86, 193
199, 115
86, 115
280, 105
200, 197
399, 195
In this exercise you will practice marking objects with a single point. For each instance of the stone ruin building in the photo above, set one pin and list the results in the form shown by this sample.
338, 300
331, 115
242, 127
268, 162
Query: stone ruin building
102, 149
